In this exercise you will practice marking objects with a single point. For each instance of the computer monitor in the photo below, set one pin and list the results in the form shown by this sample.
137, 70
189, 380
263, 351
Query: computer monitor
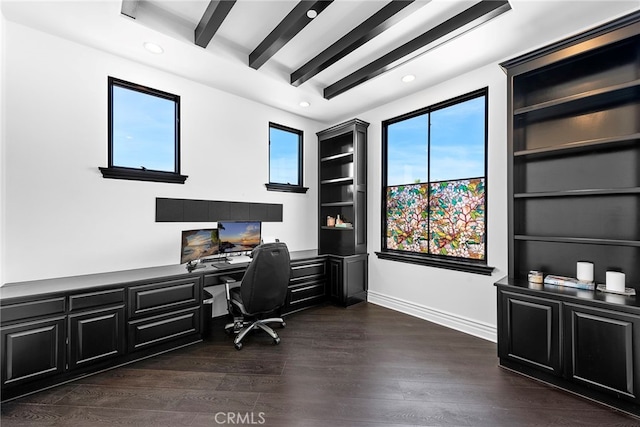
198, 244
239, 236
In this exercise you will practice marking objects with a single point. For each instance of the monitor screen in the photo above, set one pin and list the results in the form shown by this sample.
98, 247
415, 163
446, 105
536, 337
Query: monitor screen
197, 244
239, 236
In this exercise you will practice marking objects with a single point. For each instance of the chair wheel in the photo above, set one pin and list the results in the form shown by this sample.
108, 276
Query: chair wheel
238, 346
276, 341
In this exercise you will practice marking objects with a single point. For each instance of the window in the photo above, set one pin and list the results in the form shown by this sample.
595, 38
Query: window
434, 185
285, 159
144, 134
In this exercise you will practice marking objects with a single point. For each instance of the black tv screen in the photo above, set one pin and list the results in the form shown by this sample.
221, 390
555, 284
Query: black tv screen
197, 244
239, 236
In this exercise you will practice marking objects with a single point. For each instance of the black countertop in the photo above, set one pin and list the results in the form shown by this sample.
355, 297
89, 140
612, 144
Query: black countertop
88, 281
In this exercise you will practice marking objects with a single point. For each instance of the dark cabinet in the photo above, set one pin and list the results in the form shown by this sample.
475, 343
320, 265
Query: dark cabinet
348, 278
33, 350
574, 195
529, 331
307, 285
603, 350
95, 335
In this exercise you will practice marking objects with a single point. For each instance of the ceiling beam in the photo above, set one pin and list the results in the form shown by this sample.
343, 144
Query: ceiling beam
437, 36
211, 20
381, 21
129, 8
291, 25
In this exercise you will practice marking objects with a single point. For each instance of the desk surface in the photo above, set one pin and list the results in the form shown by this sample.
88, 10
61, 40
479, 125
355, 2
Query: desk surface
88, 281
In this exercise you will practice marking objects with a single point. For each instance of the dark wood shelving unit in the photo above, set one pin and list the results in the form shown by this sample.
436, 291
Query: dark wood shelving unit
342, 179
574, 195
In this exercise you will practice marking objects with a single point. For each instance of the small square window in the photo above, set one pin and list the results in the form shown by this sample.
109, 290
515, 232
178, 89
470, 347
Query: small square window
144, 134
285, 159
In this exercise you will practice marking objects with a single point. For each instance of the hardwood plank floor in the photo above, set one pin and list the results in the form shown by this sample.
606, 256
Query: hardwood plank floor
360, 366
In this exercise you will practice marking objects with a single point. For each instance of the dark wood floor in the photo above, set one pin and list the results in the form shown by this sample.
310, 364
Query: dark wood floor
360, 366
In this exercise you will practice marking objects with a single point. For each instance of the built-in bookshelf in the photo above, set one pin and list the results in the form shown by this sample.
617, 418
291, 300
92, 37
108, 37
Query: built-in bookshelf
342, 192
574, 155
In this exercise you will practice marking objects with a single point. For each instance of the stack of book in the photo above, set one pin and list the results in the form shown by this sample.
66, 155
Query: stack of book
569, 282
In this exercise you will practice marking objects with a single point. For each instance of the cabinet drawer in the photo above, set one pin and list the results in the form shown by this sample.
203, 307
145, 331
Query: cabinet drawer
164, 296
45, 307
96, 299
304, 269
304, 293
154, 330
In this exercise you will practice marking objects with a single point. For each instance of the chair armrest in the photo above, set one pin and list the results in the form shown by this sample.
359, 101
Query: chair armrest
227, 280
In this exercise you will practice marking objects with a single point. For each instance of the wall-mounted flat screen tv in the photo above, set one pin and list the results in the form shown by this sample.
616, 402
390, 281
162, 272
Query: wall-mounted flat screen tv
239, 236
198, 244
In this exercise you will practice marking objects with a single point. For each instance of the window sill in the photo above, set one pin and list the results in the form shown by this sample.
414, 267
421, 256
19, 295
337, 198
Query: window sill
286, 188
143, 175
467, 267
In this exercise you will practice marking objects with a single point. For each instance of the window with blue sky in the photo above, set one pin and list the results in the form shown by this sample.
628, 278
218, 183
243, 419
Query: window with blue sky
144, 128
435, 182
285, 154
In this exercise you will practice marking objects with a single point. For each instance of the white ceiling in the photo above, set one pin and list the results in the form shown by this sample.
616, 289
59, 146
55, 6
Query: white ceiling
224, 63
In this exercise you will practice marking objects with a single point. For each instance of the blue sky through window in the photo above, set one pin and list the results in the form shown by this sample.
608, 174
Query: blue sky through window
457, 145
283, 156
143, 130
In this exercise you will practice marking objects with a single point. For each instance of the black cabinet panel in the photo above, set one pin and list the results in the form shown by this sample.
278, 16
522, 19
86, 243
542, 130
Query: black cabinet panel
33, 350
30, 309
158, 297
529, 331
603, 349
159, 329
96, 299
188, 210
95, 336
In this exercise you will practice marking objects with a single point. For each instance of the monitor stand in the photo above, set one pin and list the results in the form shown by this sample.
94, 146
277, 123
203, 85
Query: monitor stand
240, 259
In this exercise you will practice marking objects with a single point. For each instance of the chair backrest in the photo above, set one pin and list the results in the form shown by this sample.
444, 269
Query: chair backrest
265, 283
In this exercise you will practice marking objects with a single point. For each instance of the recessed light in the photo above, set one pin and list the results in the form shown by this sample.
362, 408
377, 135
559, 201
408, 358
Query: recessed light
408, 78
153, 48
311, 13
304, 104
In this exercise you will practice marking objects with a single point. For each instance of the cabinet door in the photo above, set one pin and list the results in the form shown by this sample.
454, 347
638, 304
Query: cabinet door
603, 350
335, 279
95, 336
32, 350
529, 331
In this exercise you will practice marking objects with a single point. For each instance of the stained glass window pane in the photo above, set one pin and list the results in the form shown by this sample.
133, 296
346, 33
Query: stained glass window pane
456, 218
407, 218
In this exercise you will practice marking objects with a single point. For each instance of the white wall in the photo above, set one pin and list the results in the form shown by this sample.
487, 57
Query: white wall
463, 301
63, 218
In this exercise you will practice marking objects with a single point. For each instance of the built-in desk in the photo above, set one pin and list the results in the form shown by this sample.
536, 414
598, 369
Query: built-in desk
56, 330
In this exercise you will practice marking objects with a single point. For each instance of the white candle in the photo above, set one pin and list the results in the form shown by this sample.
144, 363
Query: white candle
615, 281
584, 271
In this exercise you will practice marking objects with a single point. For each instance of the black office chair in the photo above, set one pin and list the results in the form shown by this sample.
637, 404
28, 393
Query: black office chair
262, 291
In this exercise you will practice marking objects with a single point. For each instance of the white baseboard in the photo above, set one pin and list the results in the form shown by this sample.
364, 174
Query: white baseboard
468, 326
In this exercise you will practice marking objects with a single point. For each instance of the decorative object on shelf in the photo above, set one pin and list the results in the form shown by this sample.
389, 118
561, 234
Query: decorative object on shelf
568, 282
627, 291
615, 281
331, 221
535, 276
584, 271
338, 220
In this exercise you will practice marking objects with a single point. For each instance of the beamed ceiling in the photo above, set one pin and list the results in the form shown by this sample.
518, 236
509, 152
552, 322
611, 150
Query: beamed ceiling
341, 56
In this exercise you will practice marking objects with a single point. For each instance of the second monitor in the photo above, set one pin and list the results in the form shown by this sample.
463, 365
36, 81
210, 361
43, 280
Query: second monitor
239, 237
